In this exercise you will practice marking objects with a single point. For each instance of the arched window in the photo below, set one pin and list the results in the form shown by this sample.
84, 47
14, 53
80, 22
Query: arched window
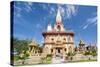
65, 49
64, 39
69, 39
58, 27
51, 50
52, 39
70, 47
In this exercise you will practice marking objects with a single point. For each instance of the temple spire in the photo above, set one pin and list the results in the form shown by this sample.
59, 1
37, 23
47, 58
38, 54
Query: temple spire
58, 17
59, 26
49, 28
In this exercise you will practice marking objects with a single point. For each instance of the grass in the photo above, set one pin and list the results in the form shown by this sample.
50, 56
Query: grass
47, 60
87, 60
16, 58
81, 61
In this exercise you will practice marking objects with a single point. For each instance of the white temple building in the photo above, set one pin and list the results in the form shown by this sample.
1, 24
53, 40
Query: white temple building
57, 40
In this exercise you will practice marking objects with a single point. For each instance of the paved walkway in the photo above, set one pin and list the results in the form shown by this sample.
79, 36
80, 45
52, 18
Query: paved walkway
57, 60
33, 60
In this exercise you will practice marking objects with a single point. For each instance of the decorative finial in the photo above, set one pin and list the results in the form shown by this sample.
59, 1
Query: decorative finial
58, 17
49, 28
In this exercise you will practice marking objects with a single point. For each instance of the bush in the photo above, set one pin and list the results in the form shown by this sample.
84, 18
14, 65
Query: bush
87, 53
70, 54
92, 52
16, 57
49, 55
71, 58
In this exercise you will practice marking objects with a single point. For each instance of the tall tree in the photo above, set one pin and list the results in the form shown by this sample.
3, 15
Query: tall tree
20, 45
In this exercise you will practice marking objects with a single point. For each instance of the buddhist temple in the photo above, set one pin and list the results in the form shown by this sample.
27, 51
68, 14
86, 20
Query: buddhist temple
33, 48
81, 46
58, 40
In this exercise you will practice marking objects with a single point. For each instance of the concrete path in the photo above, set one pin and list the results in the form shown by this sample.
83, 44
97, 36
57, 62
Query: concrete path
57, 60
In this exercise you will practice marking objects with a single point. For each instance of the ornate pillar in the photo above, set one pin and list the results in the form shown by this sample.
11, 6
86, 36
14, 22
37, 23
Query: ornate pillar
63, 53
29, 51
72, 49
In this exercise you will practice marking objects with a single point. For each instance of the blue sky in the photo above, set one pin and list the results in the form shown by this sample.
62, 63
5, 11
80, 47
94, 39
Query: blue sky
31, 19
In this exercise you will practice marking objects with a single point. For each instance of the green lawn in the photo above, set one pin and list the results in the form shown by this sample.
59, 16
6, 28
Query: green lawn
82, 61
46, 60
16, 58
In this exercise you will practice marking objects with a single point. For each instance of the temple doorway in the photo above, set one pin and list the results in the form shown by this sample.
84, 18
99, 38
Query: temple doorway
58, 52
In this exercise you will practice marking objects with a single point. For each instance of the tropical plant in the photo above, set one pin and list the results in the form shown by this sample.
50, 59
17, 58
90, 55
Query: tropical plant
70, 55
91, 51
94, 53
20, 45
23, 56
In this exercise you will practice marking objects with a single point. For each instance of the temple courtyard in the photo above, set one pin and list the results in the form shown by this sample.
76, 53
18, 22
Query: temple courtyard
55, 60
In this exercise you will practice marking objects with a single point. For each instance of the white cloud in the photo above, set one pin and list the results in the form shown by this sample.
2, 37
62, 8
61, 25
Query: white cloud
44, 18
18, 11
44, 6
67, 11
28, 6
21, 36
52, 10
90, 21
62, 10
38, 26
70, 10
84, 27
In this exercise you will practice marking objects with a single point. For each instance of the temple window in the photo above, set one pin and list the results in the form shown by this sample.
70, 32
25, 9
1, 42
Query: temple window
58, 27
64, 39
52, 39
70, 48
65, 49
69, 38
35, 52
58, 50
51, 50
